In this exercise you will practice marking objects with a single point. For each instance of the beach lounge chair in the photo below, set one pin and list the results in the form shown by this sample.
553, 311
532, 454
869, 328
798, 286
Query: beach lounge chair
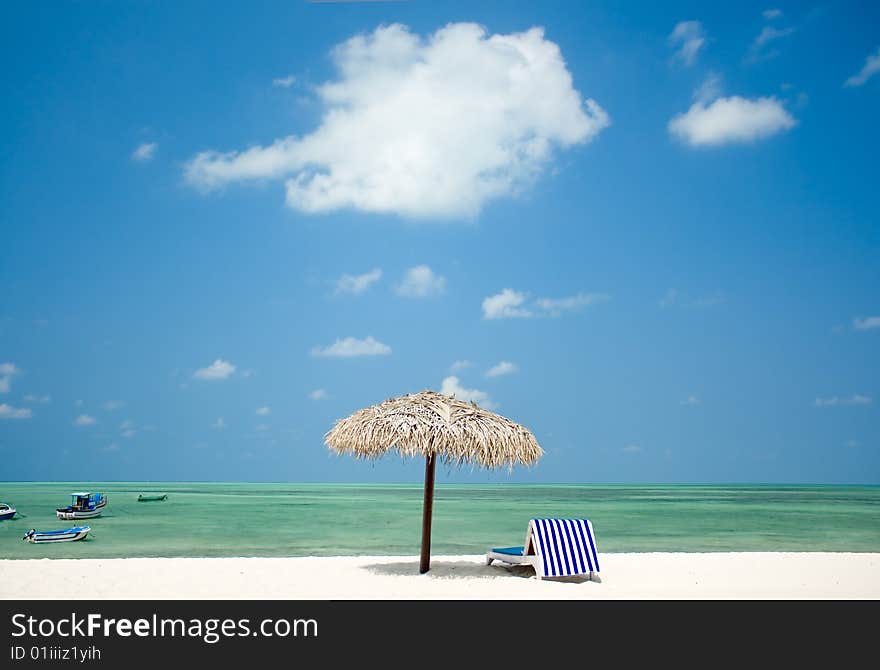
555, 547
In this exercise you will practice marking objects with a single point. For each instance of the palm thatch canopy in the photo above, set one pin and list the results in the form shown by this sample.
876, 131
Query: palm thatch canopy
429, 423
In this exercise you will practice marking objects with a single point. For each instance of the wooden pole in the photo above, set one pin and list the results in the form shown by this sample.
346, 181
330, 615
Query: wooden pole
427, 508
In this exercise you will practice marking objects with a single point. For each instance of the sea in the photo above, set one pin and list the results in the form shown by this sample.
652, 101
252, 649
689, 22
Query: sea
284, 519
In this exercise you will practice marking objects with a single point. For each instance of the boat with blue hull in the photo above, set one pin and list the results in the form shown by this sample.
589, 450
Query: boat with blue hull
6, 511
48, 536
83, 505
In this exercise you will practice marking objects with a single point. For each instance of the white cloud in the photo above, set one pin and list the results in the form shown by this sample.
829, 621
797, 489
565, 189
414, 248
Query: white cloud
459, 365
512, 304
129, 433
128, 423
688, 37
219, 369
350, 346
144, 152
42, 399
262, 428
284, 82
423, 127
505, 305
556, 306
855, 399
503, 368
691, 400
357, 283
421, 282
869, 69
264, 411
7, 372
669, 298
84, 420
771, 14
318, 394
452, 386
866, 323
760, 49
632, 449
112, 405
10, 412
728, 120
112, 447
219, 423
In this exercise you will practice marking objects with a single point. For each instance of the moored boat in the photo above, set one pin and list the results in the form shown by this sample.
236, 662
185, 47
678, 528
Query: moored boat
66, 535
152, 498
83, 506
6, 511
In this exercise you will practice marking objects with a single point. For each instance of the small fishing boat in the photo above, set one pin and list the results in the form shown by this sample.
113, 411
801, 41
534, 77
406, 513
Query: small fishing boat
6, 511
83, 506
151, 498
66, 535
98, 499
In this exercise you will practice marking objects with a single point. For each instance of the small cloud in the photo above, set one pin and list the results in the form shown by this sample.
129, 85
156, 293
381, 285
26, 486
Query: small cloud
452, 386
7, 372
219, 369
759, 48
632, 449
262, 428
556, 306
503, 368
688, 37
112, 447
264, 411
125, 425
10, 412
144, 152
248, 373
669, 298
112, 405
771, 14
318, 394
219, 424
41, 399
284, 82
869, 69
853, 444
350, 347
691, 400
129, 433
421, 282
834, 401
357, 283
731, 120
459, 365
505, 305
866, 323
84, 420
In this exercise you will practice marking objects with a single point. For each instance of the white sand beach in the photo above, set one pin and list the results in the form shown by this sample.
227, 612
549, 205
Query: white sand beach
644, 576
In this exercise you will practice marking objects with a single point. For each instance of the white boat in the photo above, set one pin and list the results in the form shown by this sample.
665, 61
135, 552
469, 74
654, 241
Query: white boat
83, 506
6, 511
66, 535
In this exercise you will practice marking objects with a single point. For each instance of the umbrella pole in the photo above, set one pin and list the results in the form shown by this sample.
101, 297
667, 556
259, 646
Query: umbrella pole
427, 509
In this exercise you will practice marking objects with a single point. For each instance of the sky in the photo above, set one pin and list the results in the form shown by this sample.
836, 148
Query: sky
646, 231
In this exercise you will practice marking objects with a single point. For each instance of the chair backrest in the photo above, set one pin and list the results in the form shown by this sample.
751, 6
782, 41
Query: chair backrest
564, 546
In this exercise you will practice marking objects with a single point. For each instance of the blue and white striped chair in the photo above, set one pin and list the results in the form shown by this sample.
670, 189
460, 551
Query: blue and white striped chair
555, 547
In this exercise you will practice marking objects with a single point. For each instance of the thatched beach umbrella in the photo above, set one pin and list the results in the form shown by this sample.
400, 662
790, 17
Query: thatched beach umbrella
435, 426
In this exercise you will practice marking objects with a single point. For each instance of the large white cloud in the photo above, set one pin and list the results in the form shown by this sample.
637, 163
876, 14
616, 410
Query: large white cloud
423, 127
728, 120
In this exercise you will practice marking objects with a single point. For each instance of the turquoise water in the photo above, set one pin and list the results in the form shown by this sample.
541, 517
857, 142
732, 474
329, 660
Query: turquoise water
237, 519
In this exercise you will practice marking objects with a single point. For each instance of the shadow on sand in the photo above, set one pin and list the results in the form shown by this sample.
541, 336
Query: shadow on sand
464, 570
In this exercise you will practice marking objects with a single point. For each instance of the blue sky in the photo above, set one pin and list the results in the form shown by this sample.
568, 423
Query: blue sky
648, 233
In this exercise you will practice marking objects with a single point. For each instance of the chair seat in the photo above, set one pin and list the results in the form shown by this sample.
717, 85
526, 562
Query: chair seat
510, 551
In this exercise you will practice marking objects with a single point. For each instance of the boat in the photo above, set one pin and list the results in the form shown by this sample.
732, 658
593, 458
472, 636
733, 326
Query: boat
143, 498
66, 535
83, 506
6, 511
99, 499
